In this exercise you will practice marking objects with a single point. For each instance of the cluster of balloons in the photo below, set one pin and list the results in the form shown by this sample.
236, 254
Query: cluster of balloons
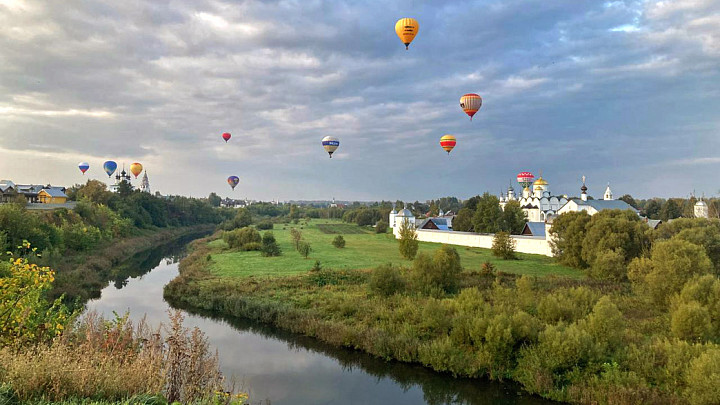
110, 167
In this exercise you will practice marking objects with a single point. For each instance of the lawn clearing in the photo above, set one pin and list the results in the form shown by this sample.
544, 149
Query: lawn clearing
362, 251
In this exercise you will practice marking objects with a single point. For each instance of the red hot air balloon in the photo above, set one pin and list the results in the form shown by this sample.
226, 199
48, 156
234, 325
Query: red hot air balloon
525, 179
226, 136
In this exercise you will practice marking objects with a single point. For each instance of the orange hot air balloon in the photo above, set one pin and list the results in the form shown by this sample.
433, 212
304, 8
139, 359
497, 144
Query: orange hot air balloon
136, 168
448, 142
406, 29
470, 103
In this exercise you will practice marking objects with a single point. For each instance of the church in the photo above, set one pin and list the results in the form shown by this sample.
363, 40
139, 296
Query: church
536, 201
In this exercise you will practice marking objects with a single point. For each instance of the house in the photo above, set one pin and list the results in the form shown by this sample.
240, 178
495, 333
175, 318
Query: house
434, 223
534, 229
52, 195
592, 207
8, 191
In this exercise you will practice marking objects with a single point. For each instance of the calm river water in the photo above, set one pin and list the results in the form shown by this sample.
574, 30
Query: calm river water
277, 367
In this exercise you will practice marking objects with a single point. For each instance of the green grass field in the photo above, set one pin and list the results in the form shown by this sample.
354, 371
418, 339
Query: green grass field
363, 250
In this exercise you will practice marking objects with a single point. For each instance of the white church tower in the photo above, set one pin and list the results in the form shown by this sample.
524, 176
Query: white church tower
608, 193
701, 209
145, 184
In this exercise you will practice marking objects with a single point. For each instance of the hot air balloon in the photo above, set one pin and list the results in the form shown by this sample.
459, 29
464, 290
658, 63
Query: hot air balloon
83, 166
233, 181
406, 29
136, 168
448, 143
525, 179
110, 167
470, 103
330, 144
226, 136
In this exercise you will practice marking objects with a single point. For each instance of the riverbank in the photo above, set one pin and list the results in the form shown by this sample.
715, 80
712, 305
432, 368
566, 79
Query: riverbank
81, 276
573, 340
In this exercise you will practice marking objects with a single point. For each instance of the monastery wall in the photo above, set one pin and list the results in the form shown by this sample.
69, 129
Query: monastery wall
524, 244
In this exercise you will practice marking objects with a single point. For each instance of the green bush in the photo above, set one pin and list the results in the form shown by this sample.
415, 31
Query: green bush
503, 246
237, 238
80, 237
381, 226
703, 379
672, 263
408, 243
606, 323
386, 280
264, 225
566, 305
691, 321
609, 265
252, 246
269, 245
439, 272
339, 242
304, 249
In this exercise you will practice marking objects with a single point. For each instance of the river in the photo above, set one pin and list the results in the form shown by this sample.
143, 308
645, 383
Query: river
277, 367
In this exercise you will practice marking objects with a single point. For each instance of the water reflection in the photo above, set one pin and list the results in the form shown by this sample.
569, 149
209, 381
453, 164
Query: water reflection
284, 368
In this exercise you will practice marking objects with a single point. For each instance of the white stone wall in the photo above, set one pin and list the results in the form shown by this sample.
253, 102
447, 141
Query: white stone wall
524, 244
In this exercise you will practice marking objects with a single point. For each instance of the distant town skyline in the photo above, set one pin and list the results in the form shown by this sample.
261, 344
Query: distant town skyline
625, 92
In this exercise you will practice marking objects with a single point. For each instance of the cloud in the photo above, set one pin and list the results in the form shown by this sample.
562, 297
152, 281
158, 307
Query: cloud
606, 89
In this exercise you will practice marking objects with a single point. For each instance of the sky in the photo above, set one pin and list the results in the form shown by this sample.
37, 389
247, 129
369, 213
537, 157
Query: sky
625, 92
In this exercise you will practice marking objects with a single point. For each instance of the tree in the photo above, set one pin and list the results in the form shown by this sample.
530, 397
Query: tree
567, 235
269, 245
296, 236
652, 209
503, 246
408, 242
242, 219
434, 209
239, 238
214, 199
365, 216
441, 272
339, 242
672, 263
381, 226
513, 218
386, 280
463, 220
488, 214
94, 191
670, 210
304, 249
618, 230
630, 200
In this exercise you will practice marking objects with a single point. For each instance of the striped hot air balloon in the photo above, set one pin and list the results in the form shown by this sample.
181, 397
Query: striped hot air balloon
470, 103
330, 144
525, 179
233, 181
448, 143
406, 29
83, 166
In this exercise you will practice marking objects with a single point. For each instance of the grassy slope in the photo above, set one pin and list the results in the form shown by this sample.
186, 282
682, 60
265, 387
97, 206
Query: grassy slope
362, 251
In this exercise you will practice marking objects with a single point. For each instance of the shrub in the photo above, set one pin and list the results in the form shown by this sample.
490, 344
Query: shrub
269, 245
566, 305
237, 238
441, 272
606, 323
264, 225
339, 242
296, 236
251, 246
503, 246
703, 379
408, 242
304, 249
81, 237
386, 280
672, 263
609, 265
691, 321
381, 226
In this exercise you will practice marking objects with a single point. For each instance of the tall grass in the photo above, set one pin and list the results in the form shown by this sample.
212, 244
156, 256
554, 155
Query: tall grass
114, 360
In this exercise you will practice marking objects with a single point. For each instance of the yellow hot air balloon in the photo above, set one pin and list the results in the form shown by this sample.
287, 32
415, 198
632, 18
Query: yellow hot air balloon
406, 29
448, 142
136, 168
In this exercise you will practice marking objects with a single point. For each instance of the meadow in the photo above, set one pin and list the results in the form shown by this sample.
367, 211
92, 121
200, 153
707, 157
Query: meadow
364, 249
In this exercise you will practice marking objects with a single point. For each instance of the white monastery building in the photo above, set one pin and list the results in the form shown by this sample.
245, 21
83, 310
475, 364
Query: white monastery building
701, 209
